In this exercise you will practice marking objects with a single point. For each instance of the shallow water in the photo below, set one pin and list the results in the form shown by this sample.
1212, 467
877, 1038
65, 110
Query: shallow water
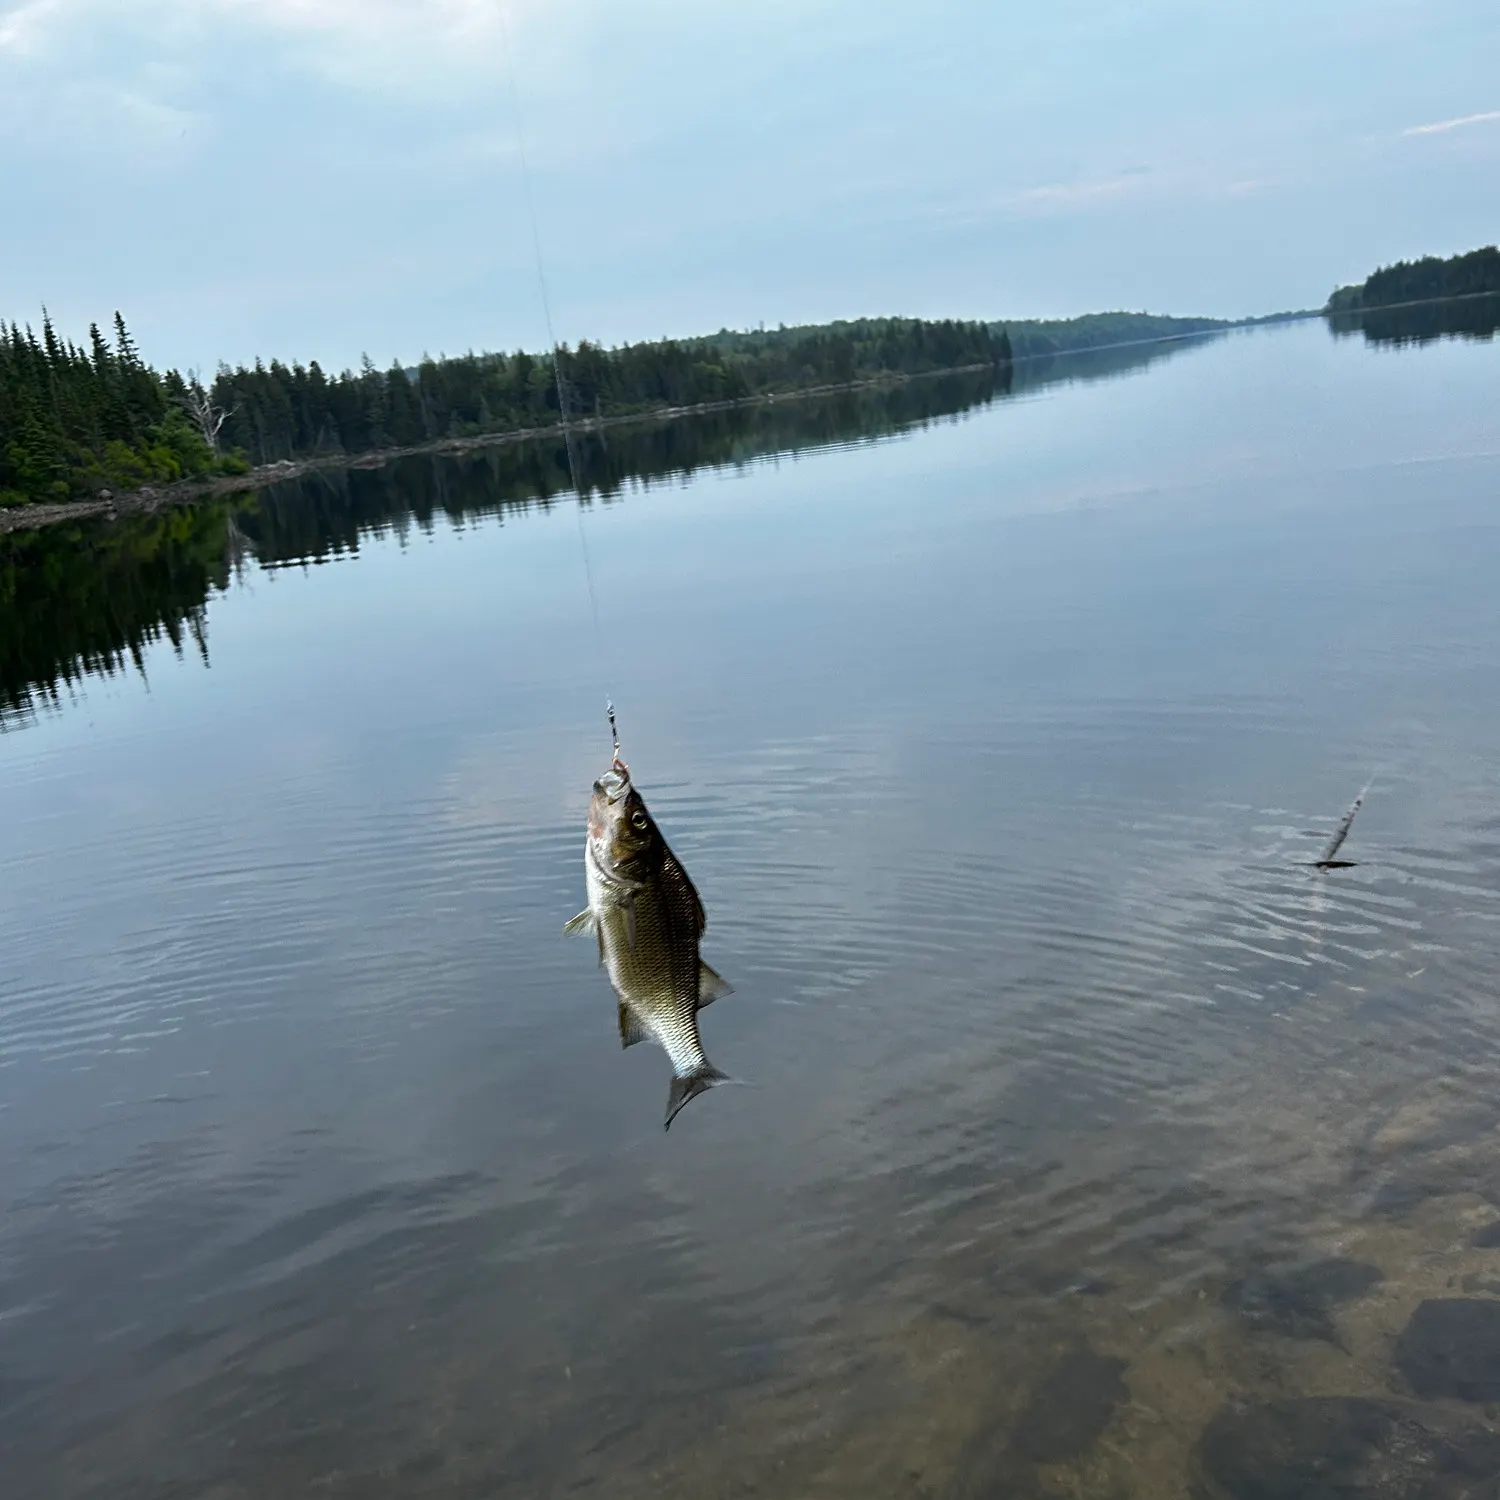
997, 749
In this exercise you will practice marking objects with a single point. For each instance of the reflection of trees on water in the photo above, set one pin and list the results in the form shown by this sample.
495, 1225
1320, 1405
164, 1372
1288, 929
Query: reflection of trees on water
88, 599
1422, 322
1102, 363
329, 511
239, 550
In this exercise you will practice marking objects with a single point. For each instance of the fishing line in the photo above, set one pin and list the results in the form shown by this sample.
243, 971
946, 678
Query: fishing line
557, 374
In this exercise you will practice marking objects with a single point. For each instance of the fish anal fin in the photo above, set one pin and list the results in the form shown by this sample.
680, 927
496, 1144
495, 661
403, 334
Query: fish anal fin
631, 1030
711, 985
585, 921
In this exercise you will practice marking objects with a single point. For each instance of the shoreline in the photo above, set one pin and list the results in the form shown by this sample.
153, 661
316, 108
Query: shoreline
151, 498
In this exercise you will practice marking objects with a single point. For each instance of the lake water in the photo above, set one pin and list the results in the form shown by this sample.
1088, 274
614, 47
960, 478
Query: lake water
1094, 1140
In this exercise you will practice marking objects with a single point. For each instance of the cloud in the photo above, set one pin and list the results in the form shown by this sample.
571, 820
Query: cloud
385, 43
72, 81
406, 45
23, 28
1134, 184
143, 83
1071, 197
1441, 127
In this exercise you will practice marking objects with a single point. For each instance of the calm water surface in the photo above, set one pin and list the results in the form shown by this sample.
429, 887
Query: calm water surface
997, 750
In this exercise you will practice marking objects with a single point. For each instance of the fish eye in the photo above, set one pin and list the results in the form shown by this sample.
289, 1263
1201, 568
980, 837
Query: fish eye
638, 818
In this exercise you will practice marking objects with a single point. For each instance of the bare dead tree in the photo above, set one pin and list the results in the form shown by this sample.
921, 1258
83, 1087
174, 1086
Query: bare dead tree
206, 417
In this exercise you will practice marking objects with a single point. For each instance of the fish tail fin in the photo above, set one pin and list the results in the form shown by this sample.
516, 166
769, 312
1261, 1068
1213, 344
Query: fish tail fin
687, 1086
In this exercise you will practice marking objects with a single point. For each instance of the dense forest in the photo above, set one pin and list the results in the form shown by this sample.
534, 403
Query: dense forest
1421, 280
76, 421
281, 412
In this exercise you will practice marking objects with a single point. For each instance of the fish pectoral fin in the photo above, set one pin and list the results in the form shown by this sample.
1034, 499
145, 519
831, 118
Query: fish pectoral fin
630, 922
585, 921
631, 1030
711, 985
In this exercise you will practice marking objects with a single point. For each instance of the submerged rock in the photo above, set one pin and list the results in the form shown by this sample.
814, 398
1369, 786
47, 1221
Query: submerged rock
1297, 1302
1451, 1347
951, 1314
1051, 1281
1070, 1408
1347, 1448
1396, 1199
1487, 1238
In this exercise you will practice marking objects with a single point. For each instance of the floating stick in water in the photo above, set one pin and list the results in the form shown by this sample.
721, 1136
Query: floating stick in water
1330, 859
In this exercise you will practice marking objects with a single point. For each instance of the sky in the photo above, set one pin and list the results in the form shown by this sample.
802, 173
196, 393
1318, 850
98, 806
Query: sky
321, 179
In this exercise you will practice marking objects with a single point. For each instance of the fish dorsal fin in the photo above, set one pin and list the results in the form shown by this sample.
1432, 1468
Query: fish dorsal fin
631, 1030
711, 985
673, 874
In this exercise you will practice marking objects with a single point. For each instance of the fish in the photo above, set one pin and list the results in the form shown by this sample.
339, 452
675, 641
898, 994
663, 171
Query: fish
648, 920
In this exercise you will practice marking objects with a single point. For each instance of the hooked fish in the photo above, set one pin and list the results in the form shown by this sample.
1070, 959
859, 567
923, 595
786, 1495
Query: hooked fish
648, 920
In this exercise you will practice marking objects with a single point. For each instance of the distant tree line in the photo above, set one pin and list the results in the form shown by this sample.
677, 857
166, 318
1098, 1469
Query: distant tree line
1047, 338
77, 421
1421, 280
278, 411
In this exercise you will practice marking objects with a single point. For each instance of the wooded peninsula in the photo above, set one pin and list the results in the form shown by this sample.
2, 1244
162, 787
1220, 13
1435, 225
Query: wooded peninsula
81, 422
1423, 280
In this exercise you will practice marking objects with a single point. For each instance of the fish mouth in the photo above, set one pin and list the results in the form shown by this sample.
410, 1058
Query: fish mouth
614, 783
